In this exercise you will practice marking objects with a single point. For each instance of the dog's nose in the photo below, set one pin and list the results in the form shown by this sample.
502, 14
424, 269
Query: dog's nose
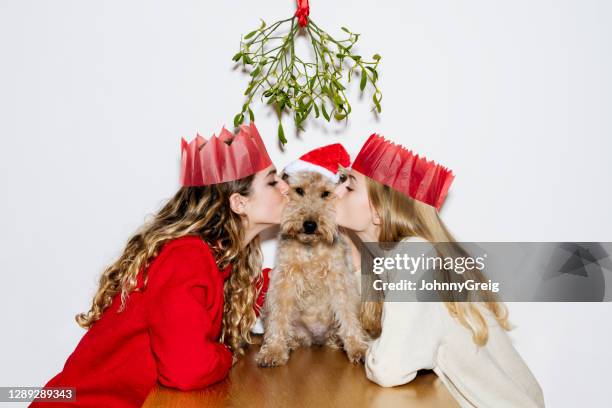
310, 227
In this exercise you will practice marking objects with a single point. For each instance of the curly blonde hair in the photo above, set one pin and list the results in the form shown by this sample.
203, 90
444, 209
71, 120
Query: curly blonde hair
404, 217
203, 211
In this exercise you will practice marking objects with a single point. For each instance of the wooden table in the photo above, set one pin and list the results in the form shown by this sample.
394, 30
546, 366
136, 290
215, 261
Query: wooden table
314, 377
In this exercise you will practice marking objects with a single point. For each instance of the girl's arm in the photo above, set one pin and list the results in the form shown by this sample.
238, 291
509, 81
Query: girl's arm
411, 333
182, 310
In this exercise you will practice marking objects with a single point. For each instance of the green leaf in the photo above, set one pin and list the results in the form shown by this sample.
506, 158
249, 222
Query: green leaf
301, 126
376, 57
249, 35
346, 30
256, 72
339, 116
299, 119
251, 115
338, 100
309, 106
374, 73
316, 108
376, 102
311, 82
237, 56
238, 119
281, 133
327, 92
324, 111
338, 84
263, 25
356, 57
364, 80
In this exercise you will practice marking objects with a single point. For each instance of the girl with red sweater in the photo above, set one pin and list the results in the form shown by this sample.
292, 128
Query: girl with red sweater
178, 305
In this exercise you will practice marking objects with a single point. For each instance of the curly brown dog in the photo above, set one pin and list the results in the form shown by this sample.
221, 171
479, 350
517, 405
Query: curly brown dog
313, 297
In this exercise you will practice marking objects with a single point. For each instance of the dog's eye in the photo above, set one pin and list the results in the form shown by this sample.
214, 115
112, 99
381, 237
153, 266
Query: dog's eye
299, 190
343, 178
325, 194
285, 176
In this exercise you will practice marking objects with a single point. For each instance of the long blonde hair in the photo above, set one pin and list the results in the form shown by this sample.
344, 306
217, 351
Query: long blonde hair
203, 211
403, 217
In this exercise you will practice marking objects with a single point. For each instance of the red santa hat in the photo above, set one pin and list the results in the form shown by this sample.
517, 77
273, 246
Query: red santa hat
325, 160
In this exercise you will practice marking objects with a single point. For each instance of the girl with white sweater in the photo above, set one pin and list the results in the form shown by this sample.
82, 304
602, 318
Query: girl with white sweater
391, 195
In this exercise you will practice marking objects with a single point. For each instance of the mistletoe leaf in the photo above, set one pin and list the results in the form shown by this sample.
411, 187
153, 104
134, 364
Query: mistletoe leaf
324, 111
238, 119
364, 80
316, 109
374, 73
338, 84
251, 34
256, 72
251, 115
246, 60
311, 82
281, 133
376, 102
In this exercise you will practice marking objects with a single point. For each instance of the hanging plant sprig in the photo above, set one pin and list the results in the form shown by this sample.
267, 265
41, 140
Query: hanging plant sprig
297, 85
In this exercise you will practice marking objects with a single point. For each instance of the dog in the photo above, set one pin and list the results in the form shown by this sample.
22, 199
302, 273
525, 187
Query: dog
313, 296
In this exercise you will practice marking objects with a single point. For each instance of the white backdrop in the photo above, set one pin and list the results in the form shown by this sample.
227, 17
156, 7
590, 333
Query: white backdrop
515, 97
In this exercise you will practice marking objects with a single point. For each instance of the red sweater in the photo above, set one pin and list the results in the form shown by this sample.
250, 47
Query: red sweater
167, 333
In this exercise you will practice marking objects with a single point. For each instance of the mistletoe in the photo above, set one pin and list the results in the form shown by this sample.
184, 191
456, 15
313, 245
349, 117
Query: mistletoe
292, 83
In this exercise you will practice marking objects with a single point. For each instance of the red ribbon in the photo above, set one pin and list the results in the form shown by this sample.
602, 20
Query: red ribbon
303, 10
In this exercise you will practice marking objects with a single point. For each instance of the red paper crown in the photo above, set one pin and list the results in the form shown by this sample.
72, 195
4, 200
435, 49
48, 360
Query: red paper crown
223, 158
397, 167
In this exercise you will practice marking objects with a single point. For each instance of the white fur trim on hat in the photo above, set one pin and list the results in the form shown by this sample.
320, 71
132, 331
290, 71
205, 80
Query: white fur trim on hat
301, 165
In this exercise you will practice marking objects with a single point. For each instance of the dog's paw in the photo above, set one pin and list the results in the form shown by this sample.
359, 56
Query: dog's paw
271, 357
333, 343
356, 350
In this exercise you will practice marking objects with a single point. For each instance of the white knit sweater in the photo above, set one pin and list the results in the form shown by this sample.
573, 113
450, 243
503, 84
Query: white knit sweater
423, 335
